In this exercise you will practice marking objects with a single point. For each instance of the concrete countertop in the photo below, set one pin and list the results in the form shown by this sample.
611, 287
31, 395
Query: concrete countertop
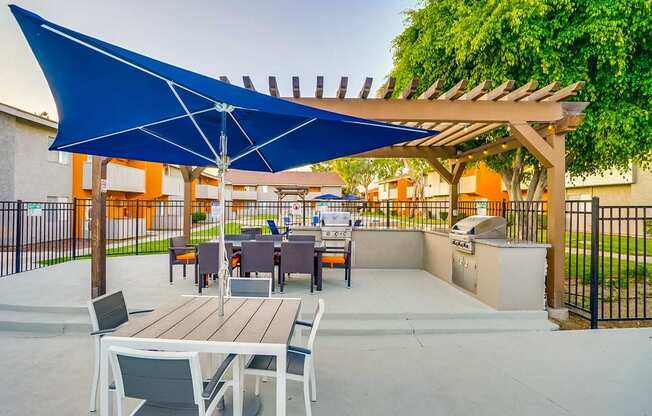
511, 244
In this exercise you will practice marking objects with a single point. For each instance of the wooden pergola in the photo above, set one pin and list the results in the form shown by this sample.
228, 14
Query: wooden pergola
536, 118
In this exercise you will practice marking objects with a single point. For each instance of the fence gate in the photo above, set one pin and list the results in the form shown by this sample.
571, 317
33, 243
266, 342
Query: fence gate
608, 261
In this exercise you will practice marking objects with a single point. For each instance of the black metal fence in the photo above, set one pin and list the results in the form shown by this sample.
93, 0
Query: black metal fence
608, 261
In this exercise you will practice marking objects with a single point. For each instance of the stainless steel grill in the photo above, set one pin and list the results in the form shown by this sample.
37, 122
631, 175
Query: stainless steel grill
465, 231
336, 228
462, 237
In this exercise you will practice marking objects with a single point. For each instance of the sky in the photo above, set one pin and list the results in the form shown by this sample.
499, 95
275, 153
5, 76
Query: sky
258, 38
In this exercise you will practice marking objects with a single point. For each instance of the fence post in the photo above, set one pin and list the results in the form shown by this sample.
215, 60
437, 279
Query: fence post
137, 226
503, 208
73, 229
387, 213
303, 214
595, 240
18, 240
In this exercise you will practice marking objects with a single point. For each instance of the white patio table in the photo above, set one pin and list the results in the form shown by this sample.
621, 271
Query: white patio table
192, 323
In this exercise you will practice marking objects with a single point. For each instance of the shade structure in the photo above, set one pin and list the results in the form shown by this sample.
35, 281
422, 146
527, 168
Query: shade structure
116, 103
328, 197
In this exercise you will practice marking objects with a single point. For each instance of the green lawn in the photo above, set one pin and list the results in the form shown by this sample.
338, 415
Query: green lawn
609, 270
612, 244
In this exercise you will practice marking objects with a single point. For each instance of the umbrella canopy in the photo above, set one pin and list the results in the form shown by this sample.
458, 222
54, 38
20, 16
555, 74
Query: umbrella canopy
351, 197
117, 103
327, 196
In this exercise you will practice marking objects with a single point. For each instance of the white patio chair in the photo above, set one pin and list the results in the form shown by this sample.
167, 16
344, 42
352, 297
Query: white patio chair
169, 383
300, 363
108, 313
250, 287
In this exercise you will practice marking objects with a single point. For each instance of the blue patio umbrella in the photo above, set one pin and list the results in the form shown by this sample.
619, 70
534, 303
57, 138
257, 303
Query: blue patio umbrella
117, 103
327, 197
351, 197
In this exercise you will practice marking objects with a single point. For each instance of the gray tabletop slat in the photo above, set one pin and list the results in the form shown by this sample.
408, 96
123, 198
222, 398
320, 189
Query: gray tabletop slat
234, 326
280, 329
162, 325
257, 326
192, 321
214, 322
139, 323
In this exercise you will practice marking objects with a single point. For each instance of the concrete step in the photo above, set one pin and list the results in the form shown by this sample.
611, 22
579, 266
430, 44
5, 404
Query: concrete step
60, 320
437, 326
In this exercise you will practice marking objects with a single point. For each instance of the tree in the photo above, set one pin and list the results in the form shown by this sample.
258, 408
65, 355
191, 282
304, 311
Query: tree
605, 43
355, 172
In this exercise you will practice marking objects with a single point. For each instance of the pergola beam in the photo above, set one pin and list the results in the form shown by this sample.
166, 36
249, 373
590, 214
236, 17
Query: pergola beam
409, 152
296, 88
248, 83
410, 89
366, 88
533, 142
432, 91
388, 88
319, 87
427, 111
341, 89
273, 87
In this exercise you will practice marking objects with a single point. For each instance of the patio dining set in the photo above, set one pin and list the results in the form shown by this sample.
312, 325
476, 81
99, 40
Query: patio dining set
254, 252
155, 357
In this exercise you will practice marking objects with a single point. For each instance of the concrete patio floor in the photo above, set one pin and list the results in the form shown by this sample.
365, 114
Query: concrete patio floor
604, 372
380, 302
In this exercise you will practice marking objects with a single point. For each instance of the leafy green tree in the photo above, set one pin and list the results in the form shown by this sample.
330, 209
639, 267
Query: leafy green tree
607, 43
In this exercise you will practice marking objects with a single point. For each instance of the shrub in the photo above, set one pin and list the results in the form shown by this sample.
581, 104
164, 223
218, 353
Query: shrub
198, 216
443, 215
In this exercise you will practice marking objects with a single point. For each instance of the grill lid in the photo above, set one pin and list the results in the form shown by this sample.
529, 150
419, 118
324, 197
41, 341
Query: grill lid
480, 226
336, 218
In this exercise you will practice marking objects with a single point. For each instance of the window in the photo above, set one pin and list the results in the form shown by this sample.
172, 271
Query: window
265, 188
55, 156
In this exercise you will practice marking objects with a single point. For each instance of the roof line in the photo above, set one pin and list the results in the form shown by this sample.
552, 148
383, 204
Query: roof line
25, 115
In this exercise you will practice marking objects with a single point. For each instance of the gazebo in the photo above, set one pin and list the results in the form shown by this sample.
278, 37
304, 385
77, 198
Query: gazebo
537, 119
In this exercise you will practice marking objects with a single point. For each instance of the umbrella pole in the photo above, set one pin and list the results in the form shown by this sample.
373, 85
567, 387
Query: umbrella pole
224, 263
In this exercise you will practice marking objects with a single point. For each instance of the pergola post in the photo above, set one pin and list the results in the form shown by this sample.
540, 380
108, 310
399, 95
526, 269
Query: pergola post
556, 226
551, 152
98, 226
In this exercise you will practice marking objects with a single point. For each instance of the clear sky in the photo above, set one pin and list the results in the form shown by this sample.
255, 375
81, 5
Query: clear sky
215, 37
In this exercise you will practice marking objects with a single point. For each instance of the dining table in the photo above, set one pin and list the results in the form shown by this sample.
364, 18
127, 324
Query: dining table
320, 249
192, 323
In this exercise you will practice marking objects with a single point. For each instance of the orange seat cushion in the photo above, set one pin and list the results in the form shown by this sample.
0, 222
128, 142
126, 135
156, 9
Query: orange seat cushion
186, 257
333, 259
235, 260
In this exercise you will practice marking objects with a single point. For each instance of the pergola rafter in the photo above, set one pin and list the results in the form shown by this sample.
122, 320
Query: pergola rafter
536, 119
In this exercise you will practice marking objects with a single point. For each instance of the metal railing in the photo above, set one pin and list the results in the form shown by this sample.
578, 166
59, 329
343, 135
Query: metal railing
608, 261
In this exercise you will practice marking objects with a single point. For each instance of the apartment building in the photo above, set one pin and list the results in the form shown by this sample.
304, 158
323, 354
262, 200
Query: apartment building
630, 187
478, 183
28, 170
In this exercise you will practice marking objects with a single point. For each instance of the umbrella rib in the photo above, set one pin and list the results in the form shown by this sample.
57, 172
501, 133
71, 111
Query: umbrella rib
158, 136
132, 129
272, 140
192, 118
237, 123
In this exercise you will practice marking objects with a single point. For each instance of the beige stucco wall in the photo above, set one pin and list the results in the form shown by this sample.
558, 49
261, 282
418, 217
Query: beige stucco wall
437, 255
388, 249
639, 192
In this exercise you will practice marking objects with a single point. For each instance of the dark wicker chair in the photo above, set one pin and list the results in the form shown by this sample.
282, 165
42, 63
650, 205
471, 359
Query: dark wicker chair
208, 261
257, 257
297, 257
180, 253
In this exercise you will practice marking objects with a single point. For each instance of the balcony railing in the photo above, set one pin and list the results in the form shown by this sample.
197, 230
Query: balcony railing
172, 185
204, 191
119, 178
244, 195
